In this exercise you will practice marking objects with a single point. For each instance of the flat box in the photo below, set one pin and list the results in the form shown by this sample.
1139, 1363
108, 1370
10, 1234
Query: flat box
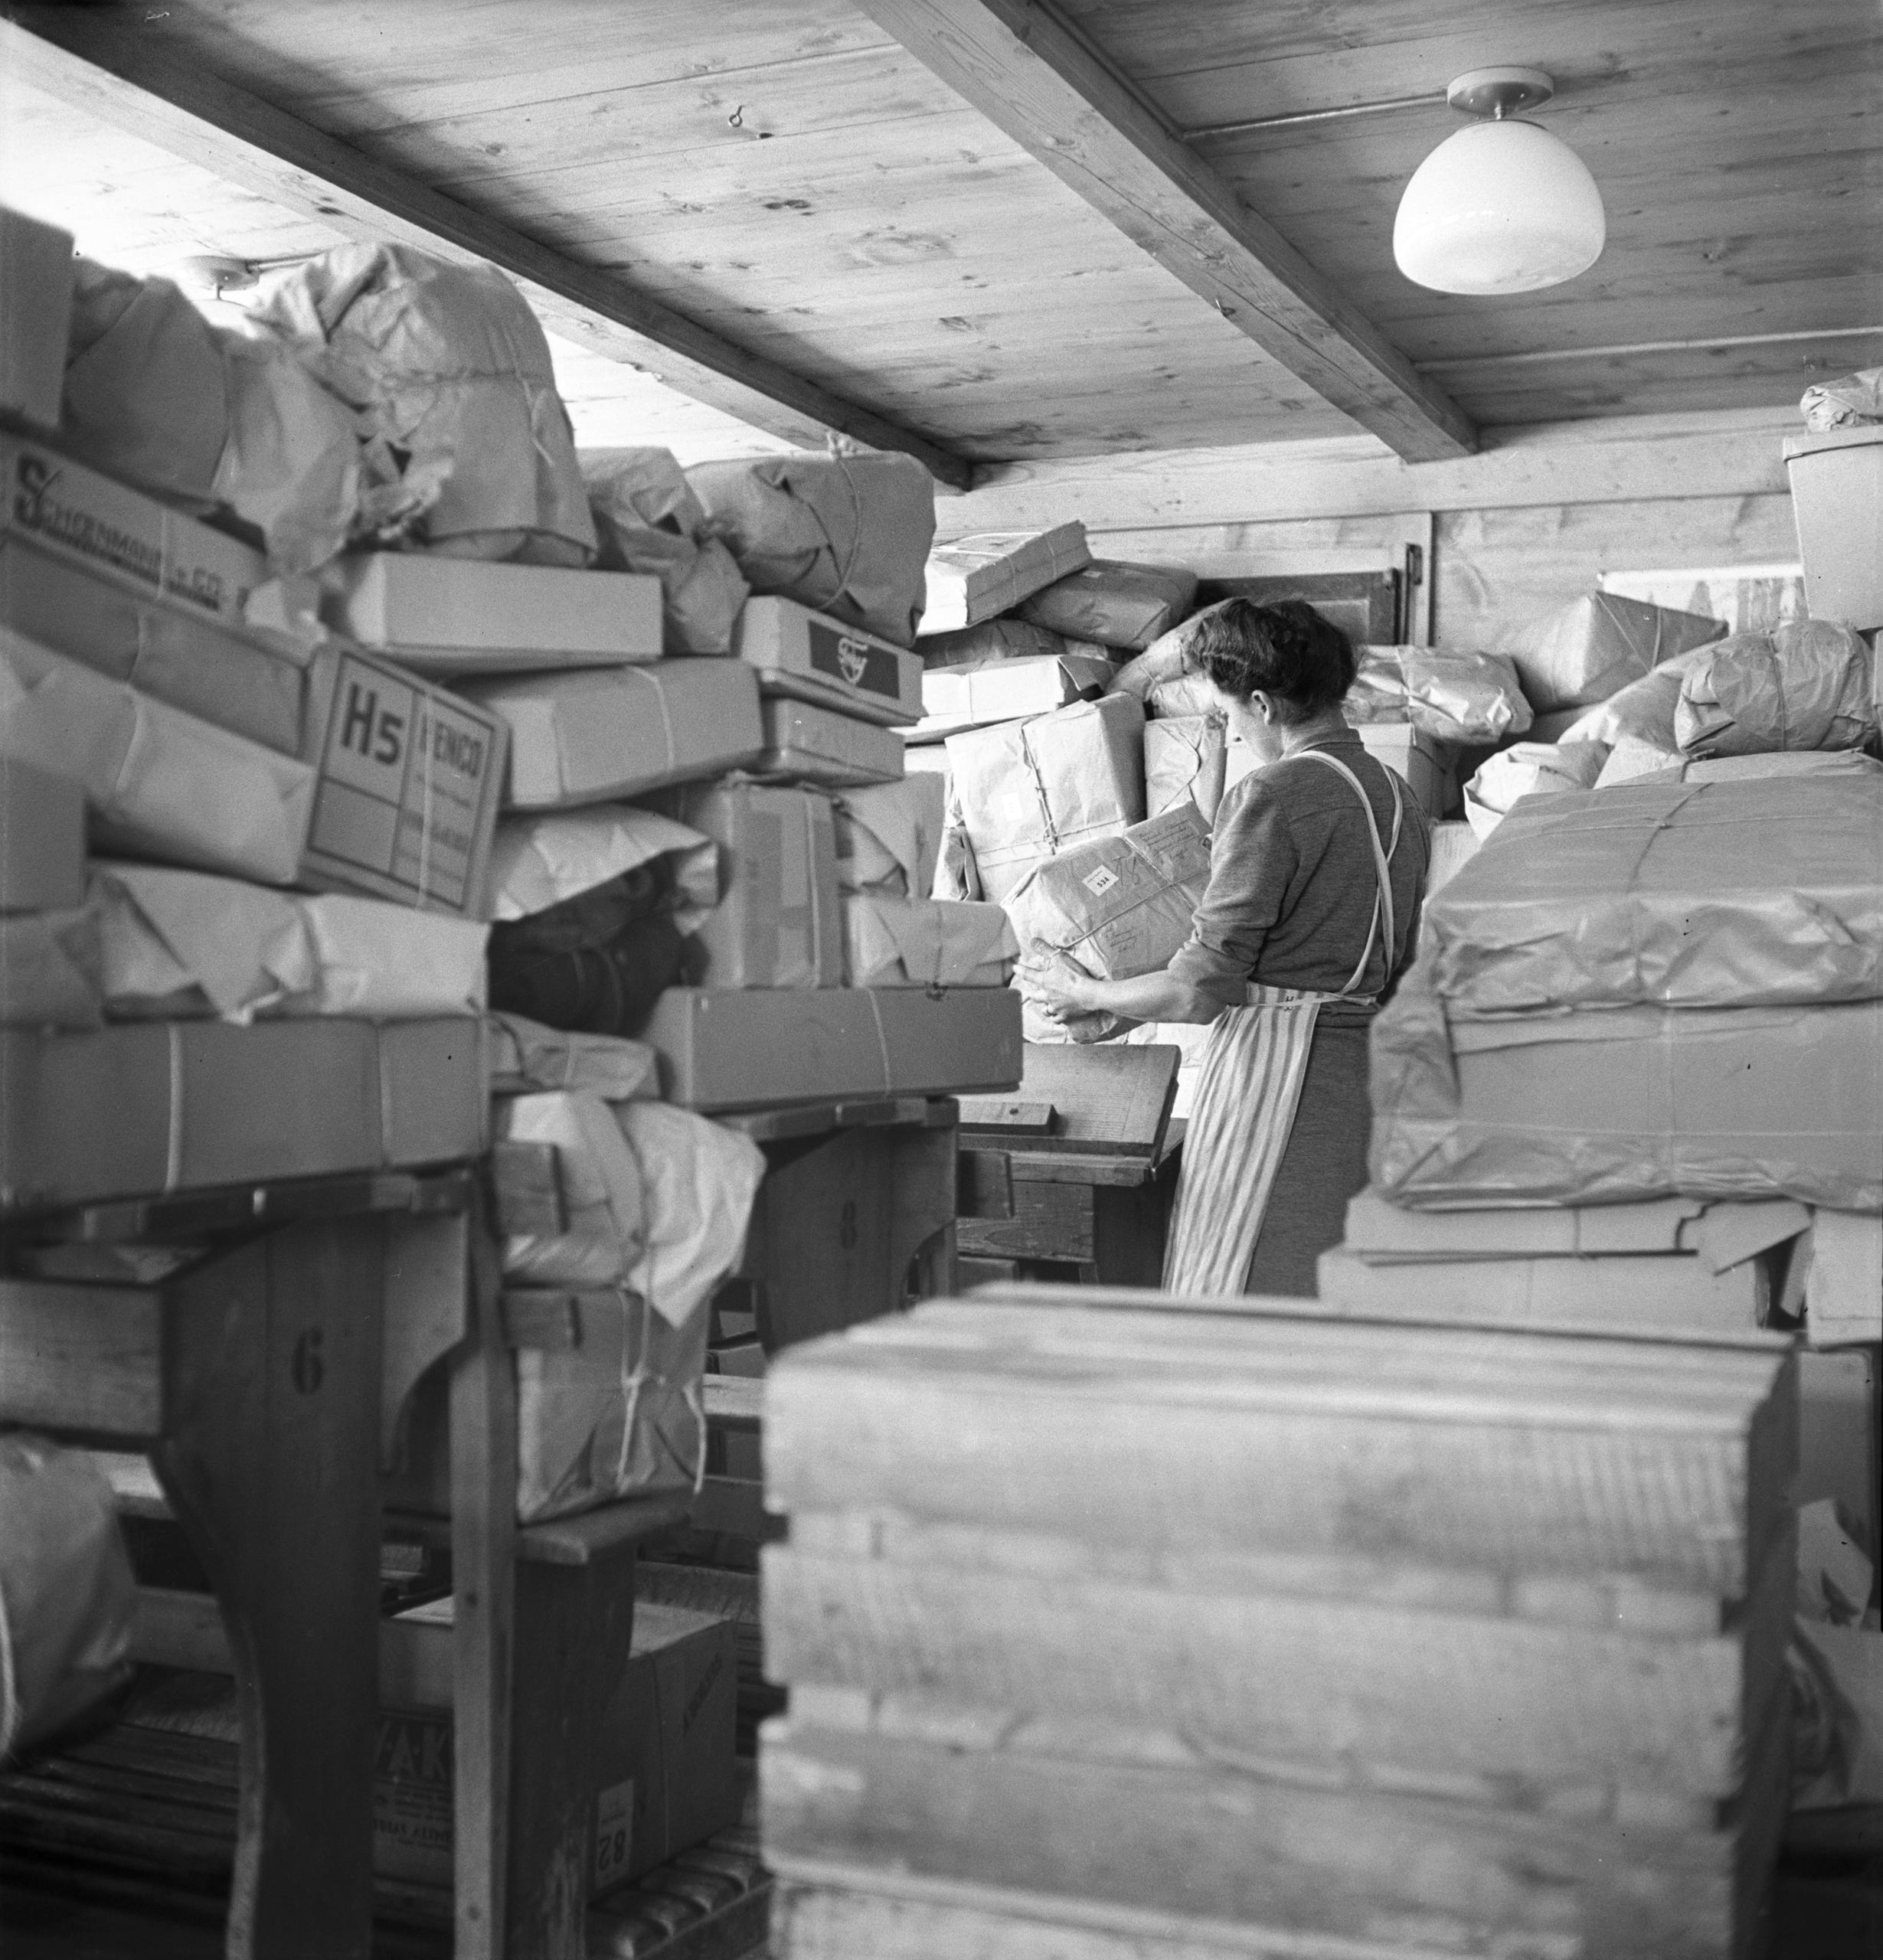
597, 734
1619, 1294
1114, 602
1596, 644
35, 315
1745, 893
737, 1050
1597, 1106
121, 535
819, 745
1837, 499
144, 1108
209, 667
778, 922
972, 579
42, 838
463, 616
809, 657
993, 691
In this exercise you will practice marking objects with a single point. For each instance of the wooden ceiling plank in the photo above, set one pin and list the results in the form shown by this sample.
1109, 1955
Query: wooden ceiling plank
90, 62
1023, 68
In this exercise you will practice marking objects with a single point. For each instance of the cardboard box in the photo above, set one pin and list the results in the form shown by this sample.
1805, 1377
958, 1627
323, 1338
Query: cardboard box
1837, 499
819, 745
994, 691
251, 686
35, 315
143, 1108
1623, 1293
464, 615
744, 1050
891, 941
120, 534
805, 656
777, 922
1032, 788
973, 578
1768, 892
42, 838
50, 966
597, 734
1597, 1106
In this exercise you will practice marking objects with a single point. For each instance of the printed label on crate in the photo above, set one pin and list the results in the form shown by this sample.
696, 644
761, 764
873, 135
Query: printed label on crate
614, 1832
81, 515
400, 783
412, 1789
870, 670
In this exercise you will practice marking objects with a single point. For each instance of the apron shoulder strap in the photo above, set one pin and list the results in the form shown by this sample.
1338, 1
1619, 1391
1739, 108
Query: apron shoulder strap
1382, 859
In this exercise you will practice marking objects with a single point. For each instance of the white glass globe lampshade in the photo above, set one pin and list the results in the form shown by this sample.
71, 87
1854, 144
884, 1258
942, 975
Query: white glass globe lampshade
1499, 207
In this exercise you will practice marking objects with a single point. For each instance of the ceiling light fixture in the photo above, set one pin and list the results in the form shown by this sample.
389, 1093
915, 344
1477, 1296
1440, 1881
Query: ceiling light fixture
1502, 205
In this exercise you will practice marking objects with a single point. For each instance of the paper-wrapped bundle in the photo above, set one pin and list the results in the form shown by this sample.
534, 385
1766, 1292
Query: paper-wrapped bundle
1159, 677
990, 691
1528, 769
595, 909
893, 942
889, 836
176, 945
1630, 761
649, 520
1471, 698
67, 1594
1178, 750
1004, 638
1113, 603
970, 580
598, 1180
777, 922
1852, 401
1112, 909
1596, 644
1026, 790
522, 1054
1806, 685
1742, 893
155, 395
470, 450
51, 968
846, 535
1600, 1105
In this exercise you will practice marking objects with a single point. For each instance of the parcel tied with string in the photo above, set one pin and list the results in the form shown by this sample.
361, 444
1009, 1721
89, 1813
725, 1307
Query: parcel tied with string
1764, 891
1806, 685
846, 535
891, 941
468, 450
1111, 910
649, 520
1452, 697
889, 835
1026, 790
1599, 644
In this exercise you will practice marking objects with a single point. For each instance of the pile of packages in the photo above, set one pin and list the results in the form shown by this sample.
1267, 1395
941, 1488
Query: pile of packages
380, 781
1083, 760
1109, 1627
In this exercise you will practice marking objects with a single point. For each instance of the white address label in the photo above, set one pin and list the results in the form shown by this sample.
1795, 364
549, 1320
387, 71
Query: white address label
614, 1832
1100, 882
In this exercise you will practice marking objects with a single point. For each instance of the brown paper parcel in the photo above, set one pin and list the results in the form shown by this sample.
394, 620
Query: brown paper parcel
1806, 685
525, 1055
1114, 602
1177, 749
846, 535
1600, 643
1764, 892
1599, 1105
1472, 697
1028, 790
649, 520
893, 942
889, 837
1118, 906
1528, 769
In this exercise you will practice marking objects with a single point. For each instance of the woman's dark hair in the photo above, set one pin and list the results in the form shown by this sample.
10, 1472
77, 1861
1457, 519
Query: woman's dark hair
1304, 662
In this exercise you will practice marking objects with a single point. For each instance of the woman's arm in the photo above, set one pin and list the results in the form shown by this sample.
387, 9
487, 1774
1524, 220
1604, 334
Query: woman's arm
1160, 996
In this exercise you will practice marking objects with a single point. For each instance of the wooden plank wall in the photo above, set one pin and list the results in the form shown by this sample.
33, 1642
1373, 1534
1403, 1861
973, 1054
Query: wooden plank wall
1515, 532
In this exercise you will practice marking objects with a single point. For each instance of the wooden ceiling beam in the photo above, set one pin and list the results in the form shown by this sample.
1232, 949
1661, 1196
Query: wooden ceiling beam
96, 60
1044, 86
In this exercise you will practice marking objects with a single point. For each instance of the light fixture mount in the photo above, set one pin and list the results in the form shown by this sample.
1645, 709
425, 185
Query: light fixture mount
1497, 93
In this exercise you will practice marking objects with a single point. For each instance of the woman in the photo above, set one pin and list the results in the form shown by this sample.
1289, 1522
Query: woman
1312, 913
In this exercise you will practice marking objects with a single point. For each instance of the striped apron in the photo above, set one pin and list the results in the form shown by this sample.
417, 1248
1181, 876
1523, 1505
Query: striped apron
1248, 1088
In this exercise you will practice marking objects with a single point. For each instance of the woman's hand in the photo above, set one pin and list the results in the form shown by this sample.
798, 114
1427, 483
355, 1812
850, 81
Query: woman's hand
1057, 992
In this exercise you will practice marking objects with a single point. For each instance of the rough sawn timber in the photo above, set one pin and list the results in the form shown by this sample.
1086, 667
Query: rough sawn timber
1043, 86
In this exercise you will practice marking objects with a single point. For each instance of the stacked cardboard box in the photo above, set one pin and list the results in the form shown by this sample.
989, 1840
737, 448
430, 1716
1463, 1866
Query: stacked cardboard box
1113, 1625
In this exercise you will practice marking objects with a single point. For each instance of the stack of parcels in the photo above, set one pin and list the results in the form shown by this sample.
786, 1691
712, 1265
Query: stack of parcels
1113, 1624
1656, 990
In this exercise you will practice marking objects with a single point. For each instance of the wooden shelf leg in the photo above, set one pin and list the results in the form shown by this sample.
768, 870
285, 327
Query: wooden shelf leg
270, 1458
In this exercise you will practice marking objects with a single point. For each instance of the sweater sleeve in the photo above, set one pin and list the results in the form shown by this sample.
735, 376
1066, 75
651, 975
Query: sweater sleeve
1252, 859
